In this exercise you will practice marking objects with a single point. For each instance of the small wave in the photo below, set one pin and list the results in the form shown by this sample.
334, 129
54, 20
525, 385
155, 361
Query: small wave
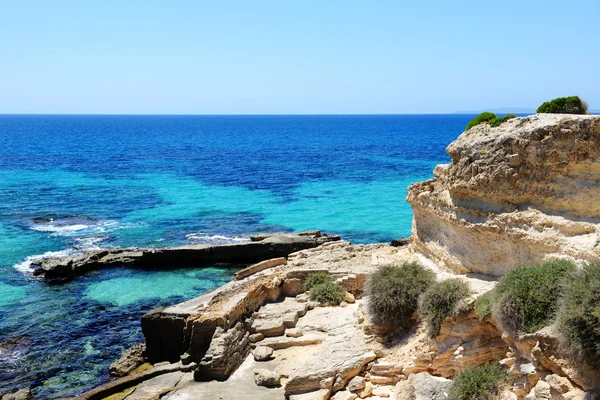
72, 228
26, 266
203, 238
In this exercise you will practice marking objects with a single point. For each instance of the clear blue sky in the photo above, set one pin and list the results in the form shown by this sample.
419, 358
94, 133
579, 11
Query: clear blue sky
328, 56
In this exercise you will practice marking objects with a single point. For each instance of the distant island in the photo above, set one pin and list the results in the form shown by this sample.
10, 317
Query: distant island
514, 110
501, 110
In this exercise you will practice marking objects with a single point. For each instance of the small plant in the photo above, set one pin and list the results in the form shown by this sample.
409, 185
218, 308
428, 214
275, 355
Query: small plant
483, 305
526, 297
483, 382
564, 105
394, 292
315, 279
440, 300
489, 118
578, 318
328, 293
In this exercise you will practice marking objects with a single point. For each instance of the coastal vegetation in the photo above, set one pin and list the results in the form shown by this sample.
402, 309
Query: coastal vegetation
315, 279
483, 305
490, 118
440, 300
323, 289
329, 293
578, 317
484, 382
564, 105
394, 292
526, 297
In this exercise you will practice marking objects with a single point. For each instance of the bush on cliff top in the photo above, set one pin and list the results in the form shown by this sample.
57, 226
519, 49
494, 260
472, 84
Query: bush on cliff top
489, 118
394, 292
480, 119
564, 105
440, 300
484, 382
578, 318
328, 293
526, 297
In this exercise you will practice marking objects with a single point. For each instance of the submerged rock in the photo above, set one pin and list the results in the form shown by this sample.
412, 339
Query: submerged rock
22, 394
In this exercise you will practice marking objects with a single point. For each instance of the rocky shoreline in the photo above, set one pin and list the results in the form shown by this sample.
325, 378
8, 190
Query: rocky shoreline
260, 247
261, 337
512, 195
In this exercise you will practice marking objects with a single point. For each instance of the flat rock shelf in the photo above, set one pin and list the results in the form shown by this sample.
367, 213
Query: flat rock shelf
260, 247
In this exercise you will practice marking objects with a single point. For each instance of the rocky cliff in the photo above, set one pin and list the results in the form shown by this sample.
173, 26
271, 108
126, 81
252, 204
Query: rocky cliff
519, 193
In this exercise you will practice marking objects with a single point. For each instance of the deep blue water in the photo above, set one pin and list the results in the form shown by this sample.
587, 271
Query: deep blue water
69, 183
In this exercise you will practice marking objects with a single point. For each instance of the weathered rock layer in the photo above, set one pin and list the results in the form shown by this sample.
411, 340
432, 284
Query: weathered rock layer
516, 194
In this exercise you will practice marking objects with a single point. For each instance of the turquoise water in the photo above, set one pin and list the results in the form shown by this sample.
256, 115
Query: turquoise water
72, 183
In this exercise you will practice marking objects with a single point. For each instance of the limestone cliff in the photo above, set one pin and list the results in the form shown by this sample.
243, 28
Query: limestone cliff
519, 193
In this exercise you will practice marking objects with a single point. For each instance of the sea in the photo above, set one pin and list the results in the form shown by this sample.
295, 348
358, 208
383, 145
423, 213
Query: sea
69, 183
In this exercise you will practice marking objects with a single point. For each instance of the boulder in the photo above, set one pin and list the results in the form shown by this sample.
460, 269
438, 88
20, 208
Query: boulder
264, 377
262, 353
129, 360
423, 386
256, 337
357, 383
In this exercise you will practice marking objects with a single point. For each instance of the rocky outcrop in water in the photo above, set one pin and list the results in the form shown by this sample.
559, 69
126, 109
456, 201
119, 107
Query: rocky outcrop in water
263, 247
515, 194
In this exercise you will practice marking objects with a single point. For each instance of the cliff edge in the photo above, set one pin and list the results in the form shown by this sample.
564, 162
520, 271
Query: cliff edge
516, 194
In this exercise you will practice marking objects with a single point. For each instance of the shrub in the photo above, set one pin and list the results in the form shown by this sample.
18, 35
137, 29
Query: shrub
316, 278
328, 293
440, 300
483, 305
564, 105
394, 292
498, 121
484, 382
578, 318
490, 118
526, 297
480, 119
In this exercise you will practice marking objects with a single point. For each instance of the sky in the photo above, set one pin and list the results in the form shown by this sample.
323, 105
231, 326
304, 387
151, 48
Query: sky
295, 57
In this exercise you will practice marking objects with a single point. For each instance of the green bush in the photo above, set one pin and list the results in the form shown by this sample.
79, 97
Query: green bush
484, 382
316, 278
440, 300
564, 105
490, 118
328, 293
483, 305
526, 297
578, 318
394, 292
498, 121
480, 119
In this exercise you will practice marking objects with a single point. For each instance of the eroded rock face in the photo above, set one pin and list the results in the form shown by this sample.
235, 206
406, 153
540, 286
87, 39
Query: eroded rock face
515, 194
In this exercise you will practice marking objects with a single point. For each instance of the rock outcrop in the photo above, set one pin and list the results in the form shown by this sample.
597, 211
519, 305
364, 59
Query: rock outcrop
60, 269
515, 194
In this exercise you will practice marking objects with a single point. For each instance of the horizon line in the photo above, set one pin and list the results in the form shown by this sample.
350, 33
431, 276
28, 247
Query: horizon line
241, 114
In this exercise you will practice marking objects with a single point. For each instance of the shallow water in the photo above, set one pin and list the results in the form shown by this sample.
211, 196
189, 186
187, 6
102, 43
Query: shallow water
71, 183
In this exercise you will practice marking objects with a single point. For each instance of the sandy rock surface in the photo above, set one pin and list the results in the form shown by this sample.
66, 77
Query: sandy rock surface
516, 194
